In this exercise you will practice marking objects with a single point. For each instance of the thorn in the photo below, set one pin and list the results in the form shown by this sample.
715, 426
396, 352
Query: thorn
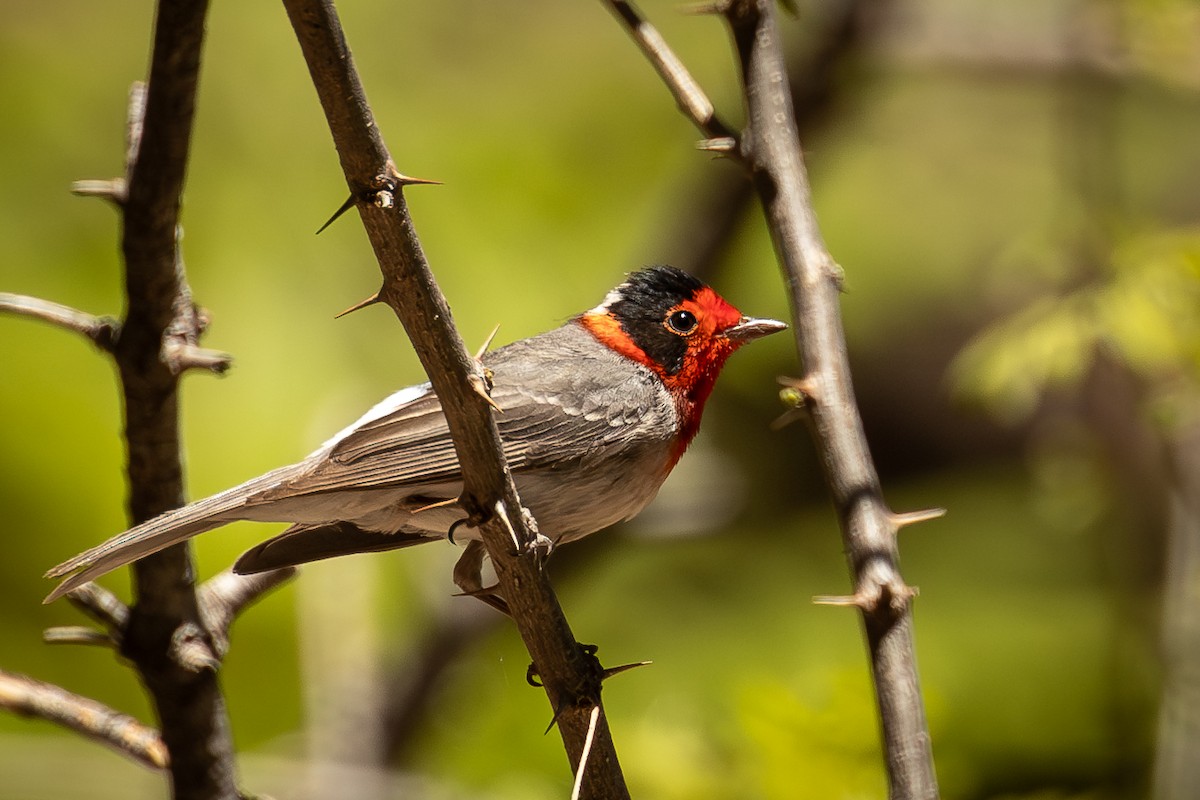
587, 749
114, 190
487, 343
897, 597
370, 301
77, 634
913, 517
438, 504
718, 7
718, 144
553, 720
855, 600
611, 671
501, 511
346, 206
181, 356
406, 180
480, 387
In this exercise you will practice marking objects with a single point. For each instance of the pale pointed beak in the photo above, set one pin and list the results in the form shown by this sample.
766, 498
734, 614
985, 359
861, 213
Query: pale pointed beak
748, 329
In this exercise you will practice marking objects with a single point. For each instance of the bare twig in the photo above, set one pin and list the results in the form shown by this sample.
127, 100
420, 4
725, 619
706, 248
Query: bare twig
718, 199
121, 732
181, 357
101, 605
691, 99
771, 150
572, 684
78, 634
225, 595
114, 189
102, 331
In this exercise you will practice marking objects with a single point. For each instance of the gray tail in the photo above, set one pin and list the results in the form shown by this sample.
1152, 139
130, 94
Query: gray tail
163, 531
300, 544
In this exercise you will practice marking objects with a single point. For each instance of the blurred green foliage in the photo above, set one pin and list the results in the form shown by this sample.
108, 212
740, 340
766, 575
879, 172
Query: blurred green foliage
1146, 313
563, 160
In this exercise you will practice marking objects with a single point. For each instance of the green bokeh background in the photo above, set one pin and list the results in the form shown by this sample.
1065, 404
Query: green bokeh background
939, 185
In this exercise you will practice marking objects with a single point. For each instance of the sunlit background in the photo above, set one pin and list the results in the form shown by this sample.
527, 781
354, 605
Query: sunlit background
1012, 191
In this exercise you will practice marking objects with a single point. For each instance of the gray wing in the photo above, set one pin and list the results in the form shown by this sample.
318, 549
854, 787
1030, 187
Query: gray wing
570, 401
565, 402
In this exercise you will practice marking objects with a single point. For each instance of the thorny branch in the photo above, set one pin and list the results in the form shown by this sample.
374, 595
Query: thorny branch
164, 636
174, 639
570, 676
770, 151
718, 200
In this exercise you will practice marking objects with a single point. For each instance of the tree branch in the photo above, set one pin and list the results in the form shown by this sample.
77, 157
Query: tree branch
102, 331
164, 634
719, 199
770, 148
225, 595
121, 732
868, 527
690, 98
571, 678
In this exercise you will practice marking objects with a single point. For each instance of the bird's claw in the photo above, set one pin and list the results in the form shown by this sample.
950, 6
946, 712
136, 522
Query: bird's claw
540, 543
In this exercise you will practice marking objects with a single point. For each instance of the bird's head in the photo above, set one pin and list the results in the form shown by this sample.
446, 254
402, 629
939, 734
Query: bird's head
677, 326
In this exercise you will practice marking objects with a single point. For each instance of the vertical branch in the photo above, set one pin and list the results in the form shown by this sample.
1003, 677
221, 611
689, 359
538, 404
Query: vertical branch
570, 675
769, 149
165, 636
772, 150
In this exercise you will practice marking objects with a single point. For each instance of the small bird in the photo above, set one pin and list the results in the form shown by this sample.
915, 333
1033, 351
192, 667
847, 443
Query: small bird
593, 416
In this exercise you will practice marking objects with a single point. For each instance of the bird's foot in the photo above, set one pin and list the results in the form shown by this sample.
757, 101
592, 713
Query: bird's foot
468, 576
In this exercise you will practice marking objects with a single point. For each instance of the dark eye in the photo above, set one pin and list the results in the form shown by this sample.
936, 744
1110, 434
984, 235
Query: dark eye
681, 321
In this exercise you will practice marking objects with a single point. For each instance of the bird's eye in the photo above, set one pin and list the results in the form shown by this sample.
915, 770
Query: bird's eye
682, 322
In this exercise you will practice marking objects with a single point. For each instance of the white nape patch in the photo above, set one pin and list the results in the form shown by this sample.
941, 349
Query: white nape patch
610, 298
392, 402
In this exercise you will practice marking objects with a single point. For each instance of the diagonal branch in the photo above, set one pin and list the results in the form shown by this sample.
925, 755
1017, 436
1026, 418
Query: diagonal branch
771, 150
570, 676
226, 595
690, 98
97, 721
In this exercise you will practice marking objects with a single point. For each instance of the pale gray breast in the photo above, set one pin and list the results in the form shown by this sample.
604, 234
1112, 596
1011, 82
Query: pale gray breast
592, 430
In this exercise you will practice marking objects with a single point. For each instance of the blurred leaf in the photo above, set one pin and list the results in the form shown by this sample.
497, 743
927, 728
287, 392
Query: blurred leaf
1146, 312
